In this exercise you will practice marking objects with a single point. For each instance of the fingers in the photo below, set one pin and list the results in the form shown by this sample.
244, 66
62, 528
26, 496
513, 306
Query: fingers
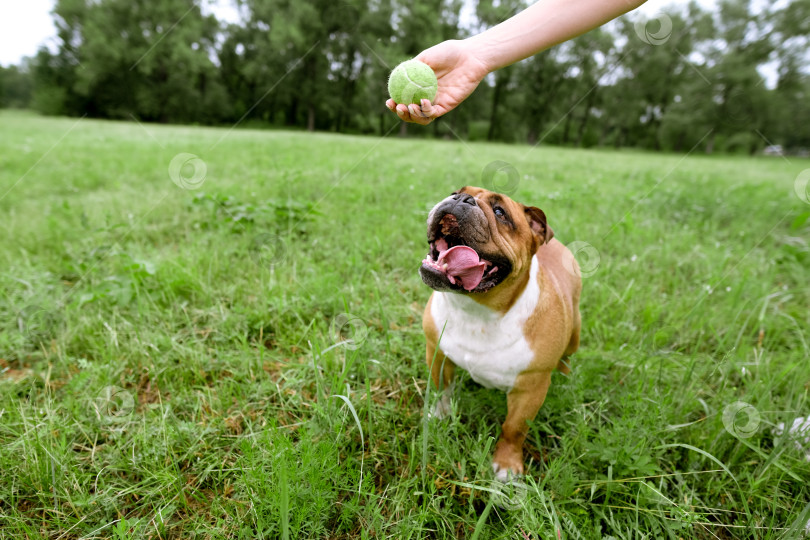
427, 108
422, 114
418, 116
403, 112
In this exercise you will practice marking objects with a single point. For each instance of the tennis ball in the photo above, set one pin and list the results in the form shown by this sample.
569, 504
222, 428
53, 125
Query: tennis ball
411, 82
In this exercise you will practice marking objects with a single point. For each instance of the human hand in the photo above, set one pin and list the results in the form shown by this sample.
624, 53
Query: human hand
458, 70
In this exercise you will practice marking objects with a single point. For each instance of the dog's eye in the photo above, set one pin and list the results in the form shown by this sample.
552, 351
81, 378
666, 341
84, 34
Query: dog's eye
499, 211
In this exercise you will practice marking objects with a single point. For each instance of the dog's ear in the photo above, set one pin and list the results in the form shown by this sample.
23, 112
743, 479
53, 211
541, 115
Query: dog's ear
539, 224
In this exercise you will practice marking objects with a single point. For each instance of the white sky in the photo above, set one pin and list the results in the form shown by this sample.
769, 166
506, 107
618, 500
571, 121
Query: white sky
25, 25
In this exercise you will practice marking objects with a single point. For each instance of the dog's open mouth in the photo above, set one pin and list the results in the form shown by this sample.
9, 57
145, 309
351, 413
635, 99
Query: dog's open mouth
456, 265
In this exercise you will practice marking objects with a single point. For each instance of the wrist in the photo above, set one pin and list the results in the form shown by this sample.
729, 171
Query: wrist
482, 51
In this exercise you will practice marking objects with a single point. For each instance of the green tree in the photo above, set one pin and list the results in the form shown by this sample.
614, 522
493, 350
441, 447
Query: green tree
738, 43
590, 59
490, 13
654, 66
323, 64
54, 77
304, 58
791, 97
16, 85
539, 85
139, 58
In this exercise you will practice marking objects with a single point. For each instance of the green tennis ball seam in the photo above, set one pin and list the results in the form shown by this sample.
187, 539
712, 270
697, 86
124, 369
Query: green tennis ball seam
427, 91
414, 83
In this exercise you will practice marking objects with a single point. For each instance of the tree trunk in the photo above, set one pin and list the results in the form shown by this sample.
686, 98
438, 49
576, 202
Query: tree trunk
532, 137
500, 82
657, 136
349, 85
340, 119
586, 115
605, 132
566, 128
311, 96
581, 129
292, 113
679, 142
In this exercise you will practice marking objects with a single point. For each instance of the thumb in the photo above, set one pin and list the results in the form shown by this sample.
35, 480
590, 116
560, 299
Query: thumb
431, 56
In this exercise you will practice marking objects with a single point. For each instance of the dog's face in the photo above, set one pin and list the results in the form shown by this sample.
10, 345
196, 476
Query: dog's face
479, 239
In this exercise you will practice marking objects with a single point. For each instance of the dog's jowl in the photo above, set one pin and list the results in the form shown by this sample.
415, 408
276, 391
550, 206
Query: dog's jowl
505, 303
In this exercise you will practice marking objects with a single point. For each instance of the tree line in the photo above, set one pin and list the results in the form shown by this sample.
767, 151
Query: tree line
682, 78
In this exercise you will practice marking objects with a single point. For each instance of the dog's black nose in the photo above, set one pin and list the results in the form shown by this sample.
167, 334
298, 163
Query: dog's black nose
465, 198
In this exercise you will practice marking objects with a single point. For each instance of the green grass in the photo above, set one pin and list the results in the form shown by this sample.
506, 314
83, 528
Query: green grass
173, 362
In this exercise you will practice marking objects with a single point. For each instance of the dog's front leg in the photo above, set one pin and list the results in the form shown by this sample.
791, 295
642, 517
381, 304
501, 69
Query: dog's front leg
441, 373
523, 402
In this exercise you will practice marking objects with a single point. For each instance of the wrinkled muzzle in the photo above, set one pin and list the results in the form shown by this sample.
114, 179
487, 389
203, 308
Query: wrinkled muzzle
457, 230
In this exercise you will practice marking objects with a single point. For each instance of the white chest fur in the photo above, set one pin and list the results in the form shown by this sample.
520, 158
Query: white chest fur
490, 346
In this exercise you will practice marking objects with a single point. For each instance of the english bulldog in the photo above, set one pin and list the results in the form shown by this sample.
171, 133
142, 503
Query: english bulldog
505, 307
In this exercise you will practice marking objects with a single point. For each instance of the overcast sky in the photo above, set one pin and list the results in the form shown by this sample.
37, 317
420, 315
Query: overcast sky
27, 24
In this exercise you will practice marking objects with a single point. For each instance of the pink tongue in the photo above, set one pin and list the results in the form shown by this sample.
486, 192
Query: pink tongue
462, 264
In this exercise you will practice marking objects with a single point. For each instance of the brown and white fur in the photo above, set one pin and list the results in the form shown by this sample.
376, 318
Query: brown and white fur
517, 326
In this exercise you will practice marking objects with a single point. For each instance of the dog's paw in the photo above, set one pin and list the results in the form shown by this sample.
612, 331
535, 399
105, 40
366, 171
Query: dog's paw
441, 409
506, 474
507, 463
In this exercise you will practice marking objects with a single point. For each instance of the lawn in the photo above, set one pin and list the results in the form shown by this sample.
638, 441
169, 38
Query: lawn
230, 346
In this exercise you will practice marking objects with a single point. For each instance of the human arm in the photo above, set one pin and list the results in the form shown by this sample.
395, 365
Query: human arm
460, 65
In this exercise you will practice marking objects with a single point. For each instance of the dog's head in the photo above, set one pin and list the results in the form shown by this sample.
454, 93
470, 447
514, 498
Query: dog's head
479, 239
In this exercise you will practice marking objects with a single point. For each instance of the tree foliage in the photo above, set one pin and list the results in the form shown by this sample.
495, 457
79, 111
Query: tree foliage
684, 78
